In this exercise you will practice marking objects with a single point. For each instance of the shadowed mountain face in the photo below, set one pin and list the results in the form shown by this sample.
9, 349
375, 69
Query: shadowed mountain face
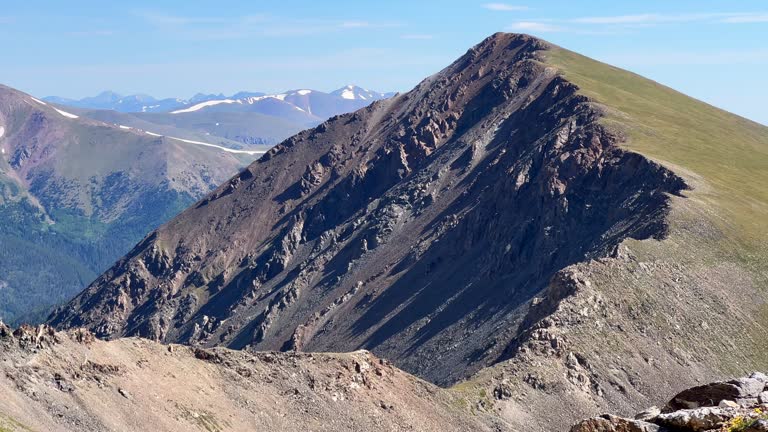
420, 227
76, 194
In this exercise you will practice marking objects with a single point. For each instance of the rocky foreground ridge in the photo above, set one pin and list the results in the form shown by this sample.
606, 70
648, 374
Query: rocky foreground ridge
739, 405
71, 381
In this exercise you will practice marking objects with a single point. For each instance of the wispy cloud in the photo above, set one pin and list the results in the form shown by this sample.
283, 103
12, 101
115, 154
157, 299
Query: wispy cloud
652, 18
90, 33
504, 7
257, 25
354, 24
367, 24
417, 36
179, 20
535, 26
708, 58
615, 23
352, 59
747, 18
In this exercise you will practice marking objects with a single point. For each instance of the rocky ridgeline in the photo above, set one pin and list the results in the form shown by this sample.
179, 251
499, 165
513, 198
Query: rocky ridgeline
739, 405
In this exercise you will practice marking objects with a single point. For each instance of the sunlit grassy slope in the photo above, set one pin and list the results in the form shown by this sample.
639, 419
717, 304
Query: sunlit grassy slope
729, 153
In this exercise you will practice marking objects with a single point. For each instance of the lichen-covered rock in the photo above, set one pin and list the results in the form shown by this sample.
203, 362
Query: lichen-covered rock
744, 391
609, 423
712, 410
699, 419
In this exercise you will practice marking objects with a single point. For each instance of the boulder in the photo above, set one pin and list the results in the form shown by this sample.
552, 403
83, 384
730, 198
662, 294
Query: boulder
610, 423
695, 420
649, 414
740, 391
759, 426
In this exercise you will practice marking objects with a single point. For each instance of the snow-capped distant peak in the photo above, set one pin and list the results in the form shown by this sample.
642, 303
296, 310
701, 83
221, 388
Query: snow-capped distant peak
304, 92
348, 94
353, 92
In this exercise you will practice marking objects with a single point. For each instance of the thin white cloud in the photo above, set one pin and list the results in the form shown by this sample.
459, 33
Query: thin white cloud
355, 24
417, 36
90, 33
535, 26
620, 19
688, 58
653, 18
258, 25
367, 24
618, 23
504, 7
747, 18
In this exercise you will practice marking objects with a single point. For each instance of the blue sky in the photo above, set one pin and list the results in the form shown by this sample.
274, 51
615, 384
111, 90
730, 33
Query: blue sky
716, 51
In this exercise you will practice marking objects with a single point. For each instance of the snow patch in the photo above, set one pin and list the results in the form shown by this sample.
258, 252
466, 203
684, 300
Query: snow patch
205, 104
304, 92
299, 108
348, 94
280, 96
38, 101
66, 114
228, 150
2, 131
124, 127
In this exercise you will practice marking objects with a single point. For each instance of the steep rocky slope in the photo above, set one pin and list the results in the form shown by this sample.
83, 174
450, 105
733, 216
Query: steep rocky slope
71, 382
76, 194
402, 228
560, 232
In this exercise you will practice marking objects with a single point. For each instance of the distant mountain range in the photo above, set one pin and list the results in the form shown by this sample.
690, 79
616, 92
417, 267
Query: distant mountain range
81, 181
344, 99
76, 194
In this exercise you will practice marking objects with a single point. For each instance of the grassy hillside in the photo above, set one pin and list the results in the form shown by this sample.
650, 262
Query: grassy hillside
728, 154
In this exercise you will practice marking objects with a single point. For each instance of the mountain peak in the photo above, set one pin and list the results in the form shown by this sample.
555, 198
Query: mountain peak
480, 158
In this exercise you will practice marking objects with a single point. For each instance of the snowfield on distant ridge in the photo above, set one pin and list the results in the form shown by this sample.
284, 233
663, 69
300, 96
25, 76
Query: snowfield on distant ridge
228, 150
202, 105
66, 114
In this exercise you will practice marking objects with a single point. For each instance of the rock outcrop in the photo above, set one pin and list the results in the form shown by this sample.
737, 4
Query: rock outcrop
739, 405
